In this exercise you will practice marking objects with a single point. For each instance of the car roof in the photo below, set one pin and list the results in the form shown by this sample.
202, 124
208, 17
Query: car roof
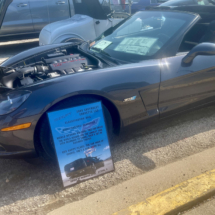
168, 9
187, 3
207, 13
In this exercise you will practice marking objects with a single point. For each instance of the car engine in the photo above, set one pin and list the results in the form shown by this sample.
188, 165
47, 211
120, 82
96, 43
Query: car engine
50, 66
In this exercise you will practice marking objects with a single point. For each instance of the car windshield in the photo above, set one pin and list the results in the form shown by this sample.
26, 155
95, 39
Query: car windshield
143, 35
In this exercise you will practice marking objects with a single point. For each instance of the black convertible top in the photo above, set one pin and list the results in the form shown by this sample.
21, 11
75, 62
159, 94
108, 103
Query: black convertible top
90, 8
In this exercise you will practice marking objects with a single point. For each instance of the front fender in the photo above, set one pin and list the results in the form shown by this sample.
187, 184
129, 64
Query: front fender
102, 96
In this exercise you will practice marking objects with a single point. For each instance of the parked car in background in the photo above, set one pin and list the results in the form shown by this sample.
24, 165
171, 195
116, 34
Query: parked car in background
26, 18
91, 19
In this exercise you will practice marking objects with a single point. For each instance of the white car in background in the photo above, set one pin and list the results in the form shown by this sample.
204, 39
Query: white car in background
91, 19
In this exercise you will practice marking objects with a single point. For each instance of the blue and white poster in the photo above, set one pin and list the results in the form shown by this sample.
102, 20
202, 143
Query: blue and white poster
81, 142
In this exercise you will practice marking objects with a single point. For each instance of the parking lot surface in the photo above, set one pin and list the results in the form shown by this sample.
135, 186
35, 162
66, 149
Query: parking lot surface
37, 189
207, 207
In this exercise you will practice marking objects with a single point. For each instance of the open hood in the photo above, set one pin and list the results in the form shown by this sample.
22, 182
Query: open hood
3, 8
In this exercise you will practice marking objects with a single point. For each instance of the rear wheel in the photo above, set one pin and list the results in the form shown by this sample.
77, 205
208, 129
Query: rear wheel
45, 132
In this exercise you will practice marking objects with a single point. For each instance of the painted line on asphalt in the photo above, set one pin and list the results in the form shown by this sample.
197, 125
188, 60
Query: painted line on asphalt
19, 42
176, 199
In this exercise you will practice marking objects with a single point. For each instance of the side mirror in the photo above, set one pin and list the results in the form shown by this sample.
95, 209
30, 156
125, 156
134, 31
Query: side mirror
200, 49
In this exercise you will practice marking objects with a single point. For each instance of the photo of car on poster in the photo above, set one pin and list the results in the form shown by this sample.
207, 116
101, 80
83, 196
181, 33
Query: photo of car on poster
81, 143
86, 168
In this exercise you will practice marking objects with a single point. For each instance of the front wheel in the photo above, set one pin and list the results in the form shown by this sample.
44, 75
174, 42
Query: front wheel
45, 132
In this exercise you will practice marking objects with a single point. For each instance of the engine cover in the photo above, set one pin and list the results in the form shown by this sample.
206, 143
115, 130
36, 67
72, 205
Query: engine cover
67, 63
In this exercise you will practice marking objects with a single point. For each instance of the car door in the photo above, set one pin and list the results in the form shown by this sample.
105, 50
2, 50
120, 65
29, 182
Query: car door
15, 17
59, 10
39, 13
103, 24
186, 86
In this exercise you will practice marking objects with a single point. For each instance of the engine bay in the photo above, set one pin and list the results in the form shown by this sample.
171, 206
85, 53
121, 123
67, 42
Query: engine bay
48, 65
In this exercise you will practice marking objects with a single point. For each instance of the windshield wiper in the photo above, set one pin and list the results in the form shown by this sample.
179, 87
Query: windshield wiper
97, 49
105, 53
99, 55
109, 56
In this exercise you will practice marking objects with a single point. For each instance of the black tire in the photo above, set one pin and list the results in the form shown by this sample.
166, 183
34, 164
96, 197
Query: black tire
44, 130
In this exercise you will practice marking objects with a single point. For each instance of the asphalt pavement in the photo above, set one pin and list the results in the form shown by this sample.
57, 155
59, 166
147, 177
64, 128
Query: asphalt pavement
158, 192
37, 189
207, 207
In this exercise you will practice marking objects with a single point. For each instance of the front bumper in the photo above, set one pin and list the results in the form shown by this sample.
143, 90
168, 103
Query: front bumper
19, 143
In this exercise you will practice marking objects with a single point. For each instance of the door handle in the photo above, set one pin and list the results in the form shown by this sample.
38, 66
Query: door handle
22, 5
60, 2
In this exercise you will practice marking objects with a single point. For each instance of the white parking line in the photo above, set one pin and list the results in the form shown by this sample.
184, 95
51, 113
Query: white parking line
18, 42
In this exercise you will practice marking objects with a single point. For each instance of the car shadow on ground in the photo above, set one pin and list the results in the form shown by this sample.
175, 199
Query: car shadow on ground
166, 132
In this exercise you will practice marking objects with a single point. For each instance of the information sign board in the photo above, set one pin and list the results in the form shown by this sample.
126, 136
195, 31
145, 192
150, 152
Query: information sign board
81, 142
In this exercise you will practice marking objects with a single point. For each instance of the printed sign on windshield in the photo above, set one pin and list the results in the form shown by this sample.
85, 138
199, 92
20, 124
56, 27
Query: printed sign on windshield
136, 45
81, 142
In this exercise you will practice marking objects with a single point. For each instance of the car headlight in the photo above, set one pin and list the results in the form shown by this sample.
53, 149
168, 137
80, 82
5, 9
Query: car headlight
11, 101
